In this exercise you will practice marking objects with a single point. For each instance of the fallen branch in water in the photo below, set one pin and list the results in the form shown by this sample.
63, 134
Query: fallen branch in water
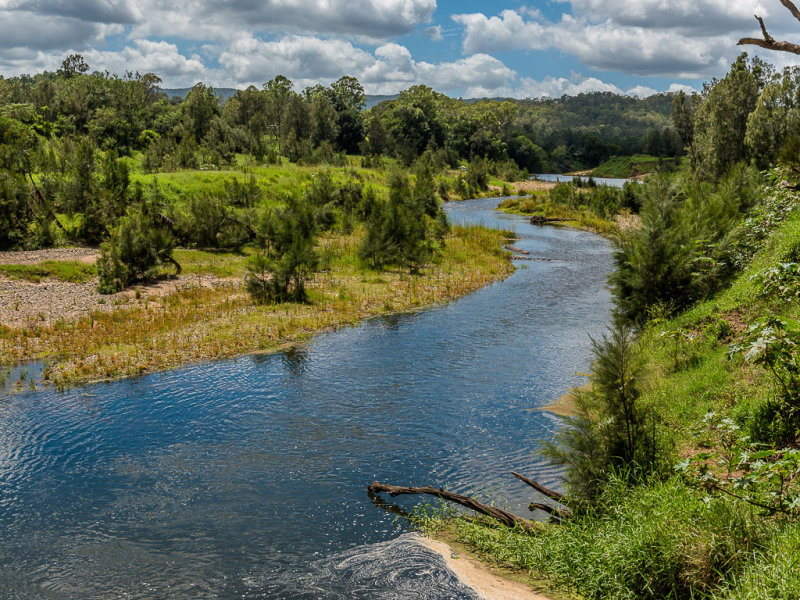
540, 220
505, 517
552, 494
515, 249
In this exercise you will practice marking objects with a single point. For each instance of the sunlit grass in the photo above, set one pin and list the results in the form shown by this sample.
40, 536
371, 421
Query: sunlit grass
68, 270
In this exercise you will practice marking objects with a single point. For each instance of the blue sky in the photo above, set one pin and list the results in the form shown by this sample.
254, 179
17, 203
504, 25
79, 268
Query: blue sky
471, 48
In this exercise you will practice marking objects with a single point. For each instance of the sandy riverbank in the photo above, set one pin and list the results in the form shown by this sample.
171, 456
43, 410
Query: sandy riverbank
488, 583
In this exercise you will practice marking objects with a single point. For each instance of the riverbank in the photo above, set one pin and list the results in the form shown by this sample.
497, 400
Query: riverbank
717, 517
490, 581
150, 329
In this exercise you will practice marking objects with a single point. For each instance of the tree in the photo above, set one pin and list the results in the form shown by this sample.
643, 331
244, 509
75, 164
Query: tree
653, 262
200, 108
140, 243
720, 123
348, 99
279, 273
278, 92
74, 64
612, 430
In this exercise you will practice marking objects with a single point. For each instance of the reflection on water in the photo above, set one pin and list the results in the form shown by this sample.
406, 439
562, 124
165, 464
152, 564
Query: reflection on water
247, 478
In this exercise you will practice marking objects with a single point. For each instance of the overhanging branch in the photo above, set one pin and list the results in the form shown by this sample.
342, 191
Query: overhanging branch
768, 41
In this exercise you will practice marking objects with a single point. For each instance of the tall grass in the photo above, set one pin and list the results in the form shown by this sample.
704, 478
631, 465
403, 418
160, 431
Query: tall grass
659, 540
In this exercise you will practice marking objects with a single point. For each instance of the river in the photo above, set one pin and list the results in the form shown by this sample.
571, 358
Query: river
247, 478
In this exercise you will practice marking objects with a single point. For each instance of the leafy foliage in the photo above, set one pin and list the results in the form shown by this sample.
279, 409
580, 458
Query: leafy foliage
138, 246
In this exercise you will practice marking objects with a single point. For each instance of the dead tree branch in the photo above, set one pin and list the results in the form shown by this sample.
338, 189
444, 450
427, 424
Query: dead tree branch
505, 517
552, 494
769, 42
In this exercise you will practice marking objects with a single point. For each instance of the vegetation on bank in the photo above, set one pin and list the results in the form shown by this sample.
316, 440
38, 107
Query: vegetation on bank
579, 203
627, 167
209, 322
682, 461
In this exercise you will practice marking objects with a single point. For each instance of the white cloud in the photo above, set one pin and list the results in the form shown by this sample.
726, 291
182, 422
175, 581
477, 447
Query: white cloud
161, 58
680, 38
22, 29
641, 91
301, 58
555, 87
707, 16
434, 33
309, 60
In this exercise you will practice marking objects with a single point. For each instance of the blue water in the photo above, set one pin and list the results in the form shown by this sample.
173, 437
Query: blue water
247, 478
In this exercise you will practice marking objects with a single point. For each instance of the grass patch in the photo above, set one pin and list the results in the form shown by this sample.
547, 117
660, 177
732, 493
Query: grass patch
625, 167
70, 271
538, 203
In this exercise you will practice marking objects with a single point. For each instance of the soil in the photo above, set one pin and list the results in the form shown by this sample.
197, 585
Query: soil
24, 304
32, 257
528, 186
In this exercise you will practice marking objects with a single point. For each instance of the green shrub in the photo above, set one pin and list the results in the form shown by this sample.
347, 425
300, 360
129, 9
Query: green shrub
139, 245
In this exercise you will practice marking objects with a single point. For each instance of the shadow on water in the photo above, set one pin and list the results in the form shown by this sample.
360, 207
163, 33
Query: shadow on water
246, 478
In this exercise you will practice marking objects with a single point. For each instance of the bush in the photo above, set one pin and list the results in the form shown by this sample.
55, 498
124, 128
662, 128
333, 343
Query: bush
280, 272
140, 244
612, 431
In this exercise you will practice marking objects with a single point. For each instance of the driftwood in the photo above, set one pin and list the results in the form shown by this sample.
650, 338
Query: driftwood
534, 258
553, 511
552, 494
769, 42
515, 249
540, 220
505, 517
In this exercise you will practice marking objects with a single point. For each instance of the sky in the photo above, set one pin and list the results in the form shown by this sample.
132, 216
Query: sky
469, 48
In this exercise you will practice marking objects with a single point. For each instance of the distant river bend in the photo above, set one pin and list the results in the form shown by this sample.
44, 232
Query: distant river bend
247, 478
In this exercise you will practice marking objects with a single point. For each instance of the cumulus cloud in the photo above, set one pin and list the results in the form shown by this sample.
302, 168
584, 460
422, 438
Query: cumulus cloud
161, 58
308, 60
712, 17
684, 38
44, 32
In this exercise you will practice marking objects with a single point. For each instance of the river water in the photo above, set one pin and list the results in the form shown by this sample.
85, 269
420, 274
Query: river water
609, 181
247, 478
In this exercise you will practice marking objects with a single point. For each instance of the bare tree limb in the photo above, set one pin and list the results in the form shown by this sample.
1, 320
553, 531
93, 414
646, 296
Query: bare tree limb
552, 494
768, 41
505, 517
175, 263
37, 194
790, 6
